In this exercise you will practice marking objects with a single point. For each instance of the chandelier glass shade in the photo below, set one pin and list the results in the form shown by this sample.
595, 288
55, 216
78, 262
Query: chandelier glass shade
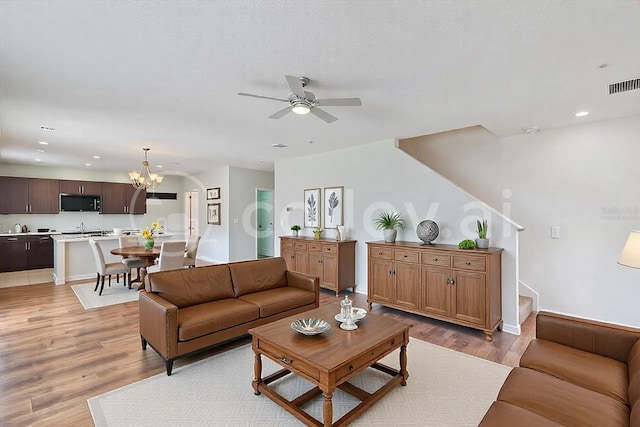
145, 179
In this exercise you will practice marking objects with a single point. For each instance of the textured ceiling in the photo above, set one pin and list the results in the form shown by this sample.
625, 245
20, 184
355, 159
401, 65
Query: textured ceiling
113, 77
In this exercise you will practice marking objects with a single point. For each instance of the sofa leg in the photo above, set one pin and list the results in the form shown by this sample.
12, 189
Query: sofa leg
169, 364
144, 342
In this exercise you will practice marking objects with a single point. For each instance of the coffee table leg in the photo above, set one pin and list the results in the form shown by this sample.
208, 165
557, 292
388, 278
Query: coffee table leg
327, 409
257, 373
403, 365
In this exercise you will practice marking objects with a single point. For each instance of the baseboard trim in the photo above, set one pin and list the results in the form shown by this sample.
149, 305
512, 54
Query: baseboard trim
511, 329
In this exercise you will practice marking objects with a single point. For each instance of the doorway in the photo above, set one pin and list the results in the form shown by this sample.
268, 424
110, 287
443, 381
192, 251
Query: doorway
191, 213
264, 223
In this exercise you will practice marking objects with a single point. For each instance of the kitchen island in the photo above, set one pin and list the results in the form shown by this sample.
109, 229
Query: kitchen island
73, 258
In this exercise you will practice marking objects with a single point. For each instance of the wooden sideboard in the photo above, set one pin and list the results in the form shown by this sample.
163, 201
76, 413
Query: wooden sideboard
333, 261
438, 281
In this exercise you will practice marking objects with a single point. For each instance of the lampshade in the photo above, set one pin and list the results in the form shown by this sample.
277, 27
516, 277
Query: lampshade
630, 255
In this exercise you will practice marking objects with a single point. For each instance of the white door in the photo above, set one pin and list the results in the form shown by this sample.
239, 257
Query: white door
191, 213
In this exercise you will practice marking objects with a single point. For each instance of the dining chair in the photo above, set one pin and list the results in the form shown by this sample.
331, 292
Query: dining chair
132, 262
192, 251
171, 256
104, 269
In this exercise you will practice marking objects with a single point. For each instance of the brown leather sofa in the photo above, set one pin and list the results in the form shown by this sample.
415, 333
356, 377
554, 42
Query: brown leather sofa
183, 311
576, 372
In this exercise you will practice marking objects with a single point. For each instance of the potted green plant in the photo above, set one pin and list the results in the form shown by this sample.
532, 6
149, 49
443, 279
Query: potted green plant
295, 229
389, 222
482, 242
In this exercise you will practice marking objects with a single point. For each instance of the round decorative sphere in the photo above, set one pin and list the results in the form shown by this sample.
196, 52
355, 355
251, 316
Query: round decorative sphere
427, 231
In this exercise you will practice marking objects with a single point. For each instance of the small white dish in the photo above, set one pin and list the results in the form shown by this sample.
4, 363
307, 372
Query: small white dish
310, 326
357, 313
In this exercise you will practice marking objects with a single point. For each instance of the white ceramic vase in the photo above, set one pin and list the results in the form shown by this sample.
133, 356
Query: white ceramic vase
482, 243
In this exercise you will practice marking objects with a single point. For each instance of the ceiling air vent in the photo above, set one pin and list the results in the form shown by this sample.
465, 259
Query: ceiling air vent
624, 86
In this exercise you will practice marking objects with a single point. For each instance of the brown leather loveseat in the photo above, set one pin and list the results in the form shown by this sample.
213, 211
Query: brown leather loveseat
576, 372
183, 311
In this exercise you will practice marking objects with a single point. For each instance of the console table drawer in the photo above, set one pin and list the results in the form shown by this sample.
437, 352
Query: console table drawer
476, 263
433, 258
288, 360
315, 246
406, 255
384, 253
331, 249
286, 244
370, 357
300, 245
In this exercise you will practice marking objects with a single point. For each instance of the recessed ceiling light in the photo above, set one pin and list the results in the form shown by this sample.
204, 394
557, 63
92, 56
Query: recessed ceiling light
87, 164
38, 160
531, 130
159, 166
96, 157
40, 151
49, 128
279, 146
581, 114
43, 143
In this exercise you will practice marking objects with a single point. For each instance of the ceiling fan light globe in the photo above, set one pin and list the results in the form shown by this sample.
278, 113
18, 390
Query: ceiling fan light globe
300, 109
159, 179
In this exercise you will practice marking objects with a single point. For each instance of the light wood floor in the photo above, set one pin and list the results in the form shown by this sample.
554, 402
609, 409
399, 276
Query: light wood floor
54, 355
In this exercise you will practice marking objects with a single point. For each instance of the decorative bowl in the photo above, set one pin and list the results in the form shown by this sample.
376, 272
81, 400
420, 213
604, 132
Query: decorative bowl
310, 326
427, 231
357, 313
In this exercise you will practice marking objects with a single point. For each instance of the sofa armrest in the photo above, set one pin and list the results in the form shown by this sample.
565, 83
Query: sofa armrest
304, 281
159, 323
604, 339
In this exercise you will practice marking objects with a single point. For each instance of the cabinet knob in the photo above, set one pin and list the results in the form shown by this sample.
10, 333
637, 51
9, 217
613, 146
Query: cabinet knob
468, 263
379, 253
453, 282
435, 259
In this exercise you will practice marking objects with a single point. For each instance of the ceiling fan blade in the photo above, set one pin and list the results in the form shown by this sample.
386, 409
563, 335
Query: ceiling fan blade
340, 102
263, 97
323, 115
296, 85
280, 114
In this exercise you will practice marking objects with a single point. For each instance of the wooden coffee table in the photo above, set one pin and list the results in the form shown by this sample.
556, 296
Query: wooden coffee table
329, 360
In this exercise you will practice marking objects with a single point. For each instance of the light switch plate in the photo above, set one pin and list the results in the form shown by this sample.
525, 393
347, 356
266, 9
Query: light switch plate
555, 232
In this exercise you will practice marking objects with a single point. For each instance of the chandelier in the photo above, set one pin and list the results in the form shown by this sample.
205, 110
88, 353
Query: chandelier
145, 179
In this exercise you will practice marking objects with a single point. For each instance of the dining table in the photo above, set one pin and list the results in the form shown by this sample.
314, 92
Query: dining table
148, 255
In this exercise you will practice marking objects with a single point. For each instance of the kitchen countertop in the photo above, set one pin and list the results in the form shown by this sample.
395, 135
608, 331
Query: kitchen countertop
31, 233
85, 237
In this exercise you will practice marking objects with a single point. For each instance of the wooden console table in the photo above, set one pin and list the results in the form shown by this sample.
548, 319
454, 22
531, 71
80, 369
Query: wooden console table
333, 261
438, 281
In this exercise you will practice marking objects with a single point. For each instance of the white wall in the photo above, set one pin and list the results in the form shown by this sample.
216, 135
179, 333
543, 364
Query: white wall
243, 184
169, 213
582, 178
229, 241
380, 176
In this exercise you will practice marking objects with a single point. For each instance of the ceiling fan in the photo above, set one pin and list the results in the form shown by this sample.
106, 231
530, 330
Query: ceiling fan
303, 102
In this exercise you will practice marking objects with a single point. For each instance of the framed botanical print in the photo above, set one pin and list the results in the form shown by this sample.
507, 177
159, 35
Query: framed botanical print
213, 214
312, 208
333, 206
213, 193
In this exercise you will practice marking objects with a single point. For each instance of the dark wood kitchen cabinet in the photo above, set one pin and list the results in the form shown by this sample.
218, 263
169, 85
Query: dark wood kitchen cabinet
90, 188
119, 198
25, 252
28, 195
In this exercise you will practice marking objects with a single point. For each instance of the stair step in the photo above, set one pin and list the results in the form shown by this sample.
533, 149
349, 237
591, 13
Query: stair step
525, 308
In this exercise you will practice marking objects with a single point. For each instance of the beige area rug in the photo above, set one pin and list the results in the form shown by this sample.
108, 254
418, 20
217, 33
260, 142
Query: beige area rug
116, 294
445, 388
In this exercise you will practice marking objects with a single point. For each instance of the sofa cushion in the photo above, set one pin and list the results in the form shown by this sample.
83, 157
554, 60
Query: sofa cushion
597, 373
203, 319
635, 415
256, 276
502, 414
187, 287
562, 401
277, 300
